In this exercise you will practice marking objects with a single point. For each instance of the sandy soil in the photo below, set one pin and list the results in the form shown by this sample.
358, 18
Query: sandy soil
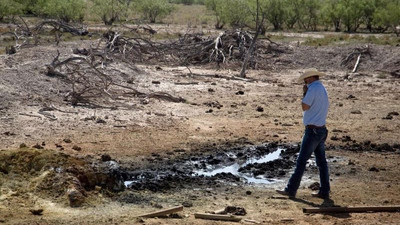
218, 110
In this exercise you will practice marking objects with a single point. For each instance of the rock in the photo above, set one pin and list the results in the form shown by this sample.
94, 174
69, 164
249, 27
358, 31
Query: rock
67, 140
37, 146
388, 117
75, 197
334, 138
351, 97
10, 50
373, 169
36, 212
346, 139
8, 133
235, 210
239, 93
58, 145
100, 120
209, 111
314, 186
105, 157
356, 112
337, 131
76, 148
22, 145
139, 220
187, 204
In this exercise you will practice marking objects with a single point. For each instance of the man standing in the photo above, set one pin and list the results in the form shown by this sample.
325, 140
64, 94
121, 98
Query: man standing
315, 106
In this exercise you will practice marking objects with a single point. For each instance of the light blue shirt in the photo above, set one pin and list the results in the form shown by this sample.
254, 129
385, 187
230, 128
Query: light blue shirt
317, 99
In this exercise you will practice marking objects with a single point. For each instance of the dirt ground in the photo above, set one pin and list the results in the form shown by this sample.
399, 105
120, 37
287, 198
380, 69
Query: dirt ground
219, 111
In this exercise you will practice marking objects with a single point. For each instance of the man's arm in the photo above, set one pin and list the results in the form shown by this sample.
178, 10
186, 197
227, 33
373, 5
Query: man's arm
305, 107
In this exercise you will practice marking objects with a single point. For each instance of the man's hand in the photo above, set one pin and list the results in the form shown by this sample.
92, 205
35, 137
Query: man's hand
305, 89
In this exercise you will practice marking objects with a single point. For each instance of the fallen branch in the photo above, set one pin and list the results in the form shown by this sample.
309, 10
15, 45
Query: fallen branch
30, 115
47, 115
252, 221
356, 65
163, 212
208, 216
351, 209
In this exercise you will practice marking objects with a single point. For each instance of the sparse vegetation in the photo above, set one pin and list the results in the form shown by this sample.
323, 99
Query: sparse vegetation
341, 39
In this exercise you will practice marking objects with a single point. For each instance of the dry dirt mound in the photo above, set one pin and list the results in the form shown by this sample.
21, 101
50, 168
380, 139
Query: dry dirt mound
55, 176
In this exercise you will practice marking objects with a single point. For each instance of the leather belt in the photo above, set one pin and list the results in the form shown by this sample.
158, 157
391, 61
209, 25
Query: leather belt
313, 126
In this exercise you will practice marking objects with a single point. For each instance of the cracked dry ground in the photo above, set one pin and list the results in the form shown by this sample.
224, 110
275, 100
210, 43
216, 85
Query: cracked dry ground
219, 112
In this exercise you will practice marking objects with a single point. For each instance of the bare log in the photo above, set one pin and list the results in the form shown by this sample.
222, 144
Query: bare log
356, 65
217, 217
62, 27
355, 209
30, 115
163, 212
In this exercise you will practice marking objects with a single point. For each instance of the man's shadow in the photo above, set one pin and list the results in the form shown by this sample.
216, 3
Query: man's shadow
325, 203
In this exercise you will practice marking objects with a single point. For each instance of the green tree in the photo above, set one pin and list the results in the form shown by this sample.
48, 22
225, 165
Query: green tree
110, 11
368, 9
306, 13
387, 16
215, 6
233, 12
64, 10
154, 9
10, 8
290, 14
352, 14
275, 13
332, 13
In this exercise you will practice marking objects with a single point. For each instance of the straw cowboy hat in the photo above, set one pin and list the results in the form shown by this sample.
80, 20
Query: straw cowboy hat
310, 73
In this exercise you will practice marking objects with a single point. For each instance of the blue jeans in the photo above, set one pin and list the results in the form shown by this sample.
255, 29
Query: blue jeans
313, 141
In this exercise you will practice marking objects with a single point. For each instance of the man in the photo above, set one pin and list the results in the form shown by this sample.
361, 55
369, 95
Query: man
315, 106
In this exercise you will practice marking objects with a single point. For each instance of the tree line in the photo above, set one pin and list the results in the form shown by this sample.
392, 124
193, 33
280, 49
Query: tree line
109, 11
308, 15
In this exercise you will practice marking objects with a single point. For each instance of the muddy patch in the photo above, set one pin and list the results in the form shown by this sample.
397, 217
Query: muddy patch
261, 164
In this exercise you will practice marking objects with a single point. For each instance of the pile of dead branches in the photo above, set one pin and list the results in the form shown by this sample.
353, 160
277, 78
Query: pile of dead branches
86, 71
189, 49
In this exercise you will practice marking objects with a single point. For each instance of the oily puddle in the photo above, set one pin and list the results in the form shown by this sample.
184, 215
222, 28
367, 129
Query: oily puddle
261, 164
241, 168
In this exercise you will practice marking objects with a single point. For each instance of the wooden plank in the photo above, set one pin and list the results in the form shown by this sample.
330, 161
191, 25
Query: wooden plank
351, 209
252, 221
219, 211
163, 212
208, 216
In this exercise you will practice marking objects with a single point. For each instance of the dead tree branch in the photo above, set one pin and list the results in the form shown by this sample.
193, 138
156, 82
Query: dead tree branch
356, 55
90, 82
